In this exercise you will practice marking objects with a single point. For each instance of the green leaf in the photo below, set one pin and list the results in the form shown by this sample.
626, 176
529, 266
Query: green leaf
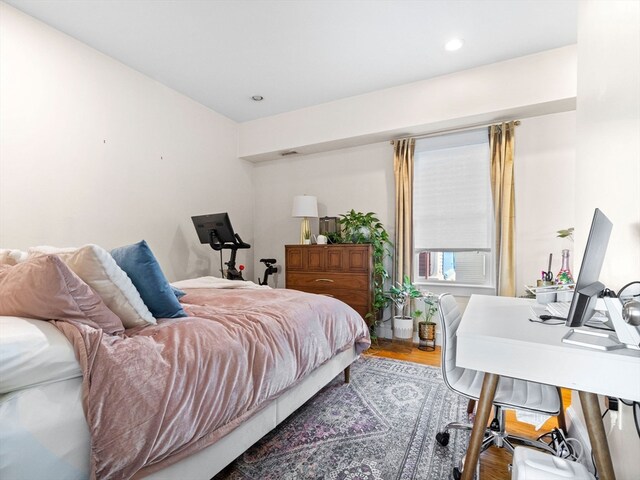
565, 233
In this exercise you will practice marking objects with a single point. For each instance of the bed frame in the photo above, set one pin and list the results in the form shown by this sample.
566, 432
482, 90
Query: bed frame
208, 462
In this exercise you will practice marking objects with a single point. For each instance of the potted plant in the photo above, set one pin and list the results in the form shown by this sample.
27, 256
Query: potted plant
426, 327
401, 295
334, 237
307, 237
358, 227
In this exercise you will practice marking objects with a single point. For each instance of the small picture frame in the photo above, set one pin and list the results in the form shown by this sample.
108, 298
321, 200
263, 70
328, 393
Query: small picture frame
328, 225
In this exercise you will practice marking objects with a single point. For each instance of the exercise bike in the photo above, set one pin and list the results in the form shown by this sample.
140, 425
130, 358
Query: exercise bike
216, 230
270, 269
232, 272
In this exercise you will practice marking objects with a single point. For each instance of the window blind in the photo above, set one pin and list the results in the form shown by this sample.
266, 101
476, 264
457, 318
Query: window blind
452, 205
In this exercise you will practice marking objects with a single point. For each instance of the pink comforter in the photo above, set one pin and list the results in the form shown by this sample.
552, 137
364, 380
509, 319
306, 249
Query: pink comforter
159, 393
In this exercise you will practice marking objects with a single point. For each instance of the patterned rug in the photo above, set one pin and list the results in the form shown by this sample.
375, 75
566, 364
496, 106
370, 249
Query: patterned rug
381, 426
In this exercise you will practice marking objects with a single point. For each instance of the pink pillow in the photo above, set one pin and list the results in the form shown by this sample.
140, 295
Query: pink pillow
45, 289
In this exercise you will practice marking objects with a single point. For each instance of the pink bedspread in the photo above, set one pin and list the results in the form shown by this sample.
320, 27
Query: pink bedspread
161, 392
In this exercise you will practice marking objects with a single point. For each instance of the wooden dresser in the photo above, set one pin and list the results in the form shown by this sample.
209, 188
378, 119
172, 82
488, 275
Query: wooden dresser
342, 271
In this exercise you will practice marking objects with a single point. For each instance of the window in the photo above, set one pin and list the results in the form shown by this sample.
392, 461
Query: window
453, 210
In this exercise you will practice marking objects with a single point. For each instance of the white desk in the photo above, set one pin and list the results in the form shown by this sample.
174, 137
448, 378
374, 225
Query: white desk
496, 337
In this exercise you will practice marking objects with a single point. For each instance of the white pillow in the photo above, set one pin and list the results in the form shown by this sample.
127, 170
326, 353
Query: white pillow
49, 250
12, 257
33, 352
97, 268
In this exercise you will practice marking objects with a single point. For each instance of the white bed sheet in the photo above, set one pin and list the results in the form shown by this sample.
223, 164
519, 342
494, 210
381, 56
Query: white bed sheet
43, 433
33, 352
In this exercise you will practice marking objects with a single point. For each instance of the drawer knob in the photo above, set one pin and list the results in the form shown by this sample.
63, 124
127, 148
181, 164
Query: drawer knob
323, 280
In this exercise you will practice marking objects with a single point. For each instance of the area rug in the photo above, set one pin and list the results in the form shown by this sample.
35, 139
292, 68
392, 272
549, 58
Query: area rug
381, 426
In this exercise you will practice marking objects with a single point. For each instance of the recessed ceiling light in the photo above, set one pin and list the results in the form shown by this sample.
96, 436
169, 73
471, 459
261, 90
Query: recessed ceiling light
257, 98
453, 44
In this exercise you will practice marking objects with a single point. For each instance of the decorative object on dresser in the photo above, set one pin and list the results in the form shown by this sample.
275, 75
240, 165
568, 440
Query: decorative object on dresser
342, 271
329, 227
305, 207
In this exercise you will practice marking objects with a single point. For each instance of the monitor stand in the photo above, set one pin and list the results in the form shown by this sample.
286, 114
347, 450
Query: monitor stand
596, 339
625, 335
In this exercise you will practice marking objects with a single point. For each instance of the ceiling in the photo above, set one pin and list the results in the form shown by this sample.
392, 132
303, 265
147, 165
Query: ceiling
302, 53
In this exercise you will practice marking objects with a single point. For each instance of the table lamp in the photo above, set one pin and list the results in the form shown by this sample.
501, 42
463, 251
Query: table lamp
305, 207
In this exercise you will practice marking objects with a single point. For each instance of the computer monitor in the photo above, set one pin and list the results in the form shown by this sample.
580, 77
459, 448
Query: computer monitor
587, 286
219, 223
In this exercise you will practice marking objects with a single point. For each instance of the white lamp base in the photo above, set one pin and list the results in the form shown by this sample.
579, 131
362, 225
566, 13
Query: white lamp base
305, 232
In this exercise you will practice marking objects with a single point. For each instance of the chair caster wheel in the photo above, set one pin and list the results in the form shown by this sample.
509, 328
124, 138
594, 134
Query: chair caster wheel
442, 438
457, 474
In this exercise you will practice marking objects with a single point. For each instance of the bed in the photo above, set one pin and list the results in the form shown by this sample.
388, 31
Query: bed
180, 398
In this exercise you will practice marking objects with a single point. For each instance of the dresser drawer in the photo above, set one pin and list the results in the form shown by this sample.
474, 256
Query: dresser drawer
350, 297
327, 281
341, 271
329, 258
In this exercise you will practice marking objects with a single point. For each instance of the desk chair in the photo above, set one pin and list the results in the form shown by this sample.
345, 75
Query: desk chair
510, 394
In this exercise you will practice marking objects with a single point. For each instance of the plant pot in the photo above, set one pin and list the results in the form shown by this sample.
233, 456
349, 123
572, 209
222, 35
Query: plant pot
403, 327
427, 335
427, 331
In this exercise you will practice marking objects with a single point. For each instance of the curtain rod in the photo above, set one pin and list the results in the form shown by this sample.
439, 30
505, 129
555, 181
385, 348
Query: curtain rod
453, 130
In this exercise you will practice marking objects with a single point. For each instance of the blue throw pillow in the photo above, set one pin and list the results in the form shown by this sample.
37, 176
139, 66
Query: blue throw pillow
177, 292
143, 269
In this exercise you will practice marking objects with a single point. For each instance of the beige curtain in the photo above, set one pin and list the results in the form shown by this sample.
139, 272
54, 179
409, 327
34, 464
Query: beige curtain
403, 170
501, 143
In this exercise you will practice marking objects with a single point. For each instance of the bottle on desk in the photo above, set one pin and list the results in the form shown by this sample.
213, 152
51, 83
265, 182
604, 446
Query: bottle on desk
564, 276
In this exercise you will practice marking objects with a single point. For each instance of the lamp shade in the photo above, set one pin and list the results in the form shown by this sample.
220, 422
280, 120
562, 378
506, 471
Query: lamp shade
305, 206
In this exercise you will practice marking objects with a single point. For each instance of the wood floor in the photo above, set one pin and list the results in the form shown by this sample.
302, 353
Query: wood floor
494, 462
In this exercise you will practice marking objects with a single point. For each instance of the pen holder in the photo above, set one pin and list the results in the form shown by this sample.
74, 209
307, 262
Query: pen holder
545, 297
564, 295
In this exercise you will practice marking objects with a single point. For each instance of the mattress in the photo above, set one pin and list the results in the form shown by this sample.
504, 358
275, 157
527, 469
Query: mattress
44, 422
33, 352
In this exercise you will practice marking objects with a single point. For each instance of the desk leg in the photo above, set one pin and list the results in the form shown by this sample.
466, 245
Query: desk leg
597, 436
485, 404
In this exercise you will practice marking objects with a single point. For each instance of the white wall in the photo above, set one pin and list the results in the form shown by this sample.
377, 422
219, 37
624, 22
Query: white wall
608, 132
362, 178
544, 171
608, 163
94, 152
528, 86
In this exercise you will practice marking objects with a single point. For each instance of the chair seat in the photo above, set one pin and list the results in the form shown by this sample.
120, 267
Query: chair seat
511, 393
